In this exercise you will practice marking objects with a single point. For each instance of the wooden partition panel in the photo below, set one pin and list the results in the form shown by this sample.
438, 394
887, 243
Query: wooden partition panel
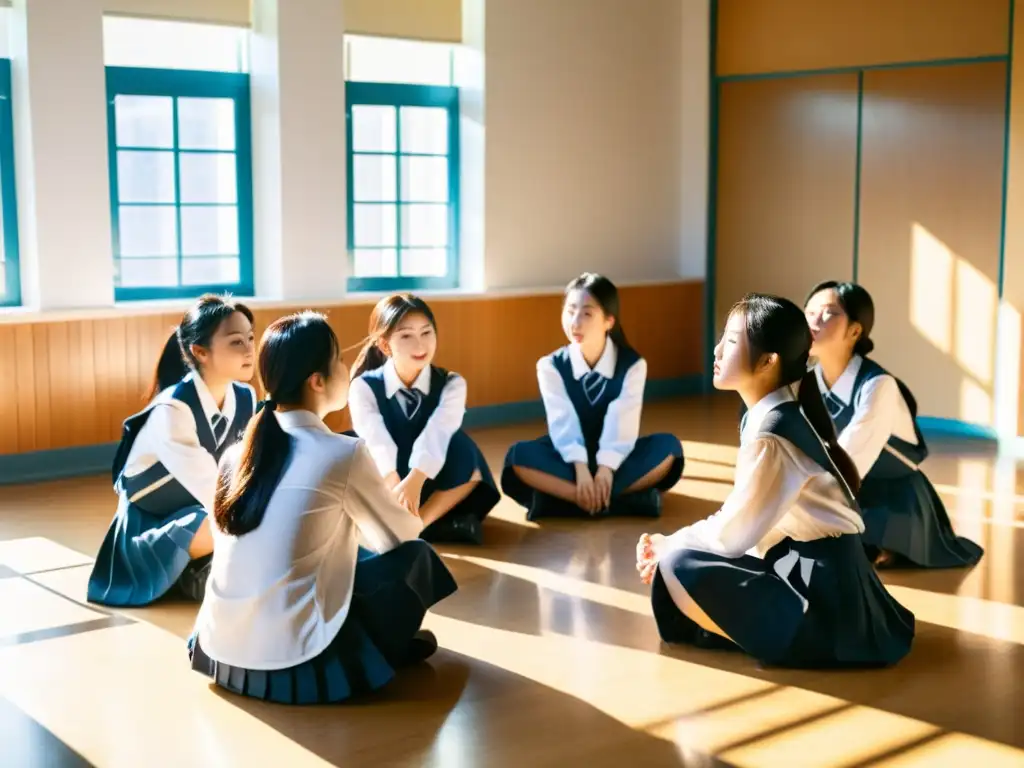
786, 174
756, 36
72, 383
931, 187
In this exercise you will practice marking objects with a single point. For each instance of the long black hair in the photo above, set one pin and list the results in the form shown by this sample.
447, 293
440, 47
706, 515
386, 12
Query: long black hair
777, 326
858, 306
292, 349
384, 319
197, 327
604, 292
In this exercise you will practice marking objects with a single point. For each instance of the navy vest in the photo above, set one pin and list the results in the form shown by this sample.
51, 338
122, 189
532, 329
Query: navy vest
787, 421
404, 431
154, 489
591, 415
887, 465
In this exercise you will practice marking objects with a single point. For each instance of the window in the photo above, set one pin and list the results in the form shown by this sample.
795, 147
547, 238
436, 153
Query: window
130, 42
180, 164
403, 166
10, 279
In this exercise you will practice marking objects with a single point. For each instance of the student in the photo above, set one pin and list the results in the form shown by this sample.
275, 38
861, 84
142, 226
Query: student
295, 612
410, 414
876, 417
779, 571
592, 461
165, 470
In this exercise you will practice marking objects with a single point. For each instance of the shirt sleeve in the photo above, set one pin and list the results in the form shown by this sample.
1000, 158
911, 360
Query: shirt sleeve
876, 411
383, 522
369, 425
622, 421
768, 483
430, 451
563, 423
177, 447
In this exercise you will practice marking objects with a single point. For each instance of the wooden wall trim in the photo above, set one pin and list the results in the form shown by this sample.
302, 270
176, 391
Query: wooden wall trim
72, 383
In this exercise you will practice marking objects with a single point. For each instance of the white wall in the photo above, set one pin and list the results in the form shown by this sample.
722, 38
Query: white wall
586, 140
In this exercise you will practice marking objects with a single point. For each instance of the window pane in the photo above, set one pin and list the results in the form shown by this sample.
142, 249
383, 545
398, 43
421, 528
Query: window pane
206, 124
148, 231
425, 262
425, 225
208, 178
425, 179
382, 60
209, 271
144, 121
373, 178
147, 273
145, 177
134, 42
374, 129
425, 130
376, 263
209, 231
375, 225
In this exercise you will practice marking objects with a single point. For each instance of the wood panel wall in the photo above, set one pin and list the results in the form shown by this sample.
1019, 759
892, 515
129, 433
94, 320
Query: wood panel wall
786, 171
930, 222
72, 383
757, 36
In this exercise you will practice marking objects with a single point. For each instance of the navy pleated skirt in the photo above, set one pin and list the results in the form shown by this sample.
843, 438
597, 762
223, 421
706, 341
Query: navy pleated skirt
905, 516
541, 455
392, 594
144, 556
461, 524
816, 604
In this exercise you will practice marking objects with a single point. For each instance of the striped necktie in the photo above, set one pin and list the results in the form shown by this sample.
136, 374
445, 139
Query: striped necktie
593, 386
834, 405
220, 427
410, 400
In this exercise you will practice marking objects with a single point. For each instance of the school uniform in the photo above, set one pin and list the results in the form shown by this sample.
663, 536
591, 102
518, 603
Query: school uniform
593, 417
871, 410
420, 427
295, 612
165, 475
781, 567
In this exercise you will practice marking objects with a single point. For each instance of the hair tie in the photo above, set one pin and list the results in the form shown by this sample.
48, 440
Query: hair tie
269, 404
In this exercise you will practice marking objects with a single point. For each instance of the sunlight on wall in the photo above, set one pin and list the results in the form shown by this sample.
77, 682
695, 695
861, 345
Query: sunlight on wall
955, 307
931, 288
1008, 372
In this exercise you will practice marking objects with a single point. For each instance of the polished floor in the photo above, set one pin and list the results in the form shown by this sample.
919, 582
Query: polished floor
549, 654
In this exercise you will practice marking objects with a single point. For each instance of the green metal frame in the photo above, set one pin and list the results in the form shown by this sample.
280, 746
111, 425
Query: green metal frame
11, 296
403, 95
139, 81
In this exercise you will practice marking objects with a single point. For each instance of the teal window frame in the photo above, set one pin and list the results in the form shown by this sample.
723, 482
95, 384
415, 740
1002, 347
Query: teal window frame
8, 192
405, 95
143, 81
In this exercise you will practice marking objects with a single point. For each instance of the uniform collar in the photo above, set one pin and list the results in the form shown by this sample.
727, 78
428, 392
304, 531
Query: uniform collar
291, 421
208, 403
392, 383
755, 416
843, 388
605, 364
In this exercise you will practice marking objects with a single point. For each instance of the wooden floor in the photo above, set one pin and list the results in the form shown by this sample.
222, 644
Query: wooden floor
549, 654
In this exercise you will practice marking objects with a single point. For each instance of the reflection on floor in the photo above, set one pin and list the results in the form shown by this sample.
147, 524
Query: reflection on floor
549, 653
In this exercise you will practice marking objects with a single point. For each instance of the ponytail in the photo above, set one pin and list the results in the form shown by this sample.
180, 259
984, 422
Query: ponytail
170, 368
243, 493
370, 357
814, 409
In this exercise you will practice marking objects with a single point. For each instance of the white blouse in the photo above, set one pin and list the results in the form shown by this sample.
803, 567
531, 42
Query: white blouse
779, 491
278, 595
880, 412
430, 450
169, 436
621, 422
